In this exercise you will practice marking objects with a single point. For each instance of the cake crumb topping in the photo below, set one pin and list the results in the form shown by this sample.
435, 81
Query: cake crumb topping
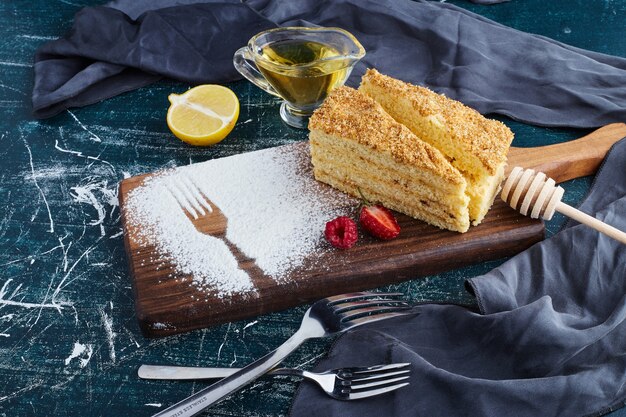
487, 139
352, 115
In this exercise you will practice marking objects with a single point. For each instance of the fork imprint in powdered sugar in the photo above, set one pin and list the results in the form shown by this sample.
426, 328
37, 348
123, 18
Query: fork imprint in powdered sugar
327, 317
189, 196
193, 201
274, 208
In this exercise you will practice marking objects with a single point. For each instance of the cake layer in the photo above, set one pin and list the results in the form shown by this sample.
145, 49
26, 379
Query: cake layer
475, 145
356, 145
330, 154
482, 193
342, 151
368, 178
374, 188
415, 209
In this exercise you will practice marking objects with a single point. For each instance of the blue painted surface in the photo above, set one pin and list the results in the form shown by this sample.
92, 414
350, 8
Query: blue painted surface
69, 341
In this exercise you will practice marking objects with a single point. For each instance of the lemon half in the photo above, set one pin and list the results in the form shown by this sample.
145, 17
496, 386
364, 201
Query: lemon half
204, 115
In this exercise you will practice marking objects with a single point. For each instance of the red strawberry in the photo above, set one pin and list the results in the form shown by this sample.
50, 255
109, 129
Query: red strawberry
378, 221
341, 232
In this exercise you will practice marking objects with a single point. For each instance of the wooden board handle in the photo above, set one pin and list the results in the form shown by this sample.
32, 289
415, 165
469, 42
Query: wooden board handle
568, 160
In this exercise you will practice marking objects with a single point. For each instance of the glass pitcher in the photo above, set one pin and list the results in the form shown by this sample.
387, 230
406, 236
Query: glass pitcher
301, 65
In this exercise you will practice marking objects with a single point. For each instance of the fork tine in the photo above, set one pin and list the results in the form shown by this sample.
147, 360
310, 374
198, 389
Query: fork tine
364, 304
378, 383
331, 314
342, 298
371, 319
200, 196
192, 196
181, 199
371, 393
371, 312
381, 378
380, 368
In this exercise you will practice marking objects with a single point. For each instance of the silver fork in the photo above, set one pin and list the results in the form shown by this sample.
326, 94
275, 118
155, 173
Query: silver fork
352, 383
330, 316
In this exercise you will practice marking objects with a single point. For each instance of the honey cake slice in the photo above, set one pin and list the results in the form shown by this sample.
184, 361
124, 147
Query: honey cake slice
356, 145
475, 145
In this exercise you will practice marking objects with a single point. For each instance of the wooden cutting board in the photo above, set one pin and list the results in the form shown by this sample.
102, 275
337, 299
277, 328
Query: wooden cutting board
167, 304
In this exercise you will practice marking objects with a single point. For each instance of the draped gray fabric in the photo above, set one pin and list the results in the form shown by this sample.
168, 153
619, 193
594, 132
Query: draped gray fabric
550, 338
490, 67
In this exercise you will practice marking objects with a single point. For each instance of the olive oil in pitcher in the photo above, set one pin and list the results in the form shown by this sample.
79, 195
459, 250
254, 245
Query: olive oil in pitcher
301, 65
303, 72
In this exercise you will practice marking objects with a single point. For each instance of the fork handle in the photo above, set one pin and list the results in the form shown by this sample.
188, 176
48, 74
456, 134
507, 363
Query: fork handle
202, 399
183, 373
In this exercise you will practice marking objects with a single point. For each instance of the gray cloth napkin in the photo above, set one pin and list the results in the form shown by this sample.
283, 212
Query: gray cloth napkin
550, 338
488, 66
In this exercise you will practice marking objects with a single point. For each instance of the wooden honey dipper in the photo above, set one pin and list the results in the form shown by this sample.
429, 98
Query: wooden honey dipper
534, 194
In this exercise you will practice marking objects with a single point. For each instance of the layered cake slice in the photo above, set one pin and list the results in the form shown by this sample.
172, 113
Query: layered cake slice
475, 145
356, 146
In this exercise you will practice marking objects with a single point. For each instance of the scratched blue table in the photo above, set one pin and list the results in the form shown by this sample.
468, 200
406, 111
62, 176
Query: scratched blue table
69, 341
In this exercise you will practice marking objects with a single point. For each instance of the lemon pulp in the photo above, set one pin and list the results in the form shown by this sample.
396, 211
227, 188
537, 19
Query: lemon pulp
204, 115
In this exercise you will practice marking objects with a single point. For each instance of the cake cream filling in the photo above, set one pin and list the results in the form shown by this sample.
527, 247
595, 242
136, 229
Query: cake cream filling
358, 158
416, 210
350, 167
482, 194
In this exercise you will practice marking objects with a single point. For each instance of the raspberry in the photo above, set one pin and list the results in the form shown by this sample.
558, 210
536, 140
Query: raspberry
341, 232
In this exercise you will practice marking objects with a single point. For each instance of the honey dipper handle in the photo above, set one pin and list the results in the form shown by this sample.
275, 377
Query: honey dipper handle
590, 221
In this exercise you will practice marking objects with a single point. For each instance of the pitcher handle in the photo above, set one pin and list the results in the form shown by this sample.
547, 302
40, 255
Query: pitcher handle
244, 63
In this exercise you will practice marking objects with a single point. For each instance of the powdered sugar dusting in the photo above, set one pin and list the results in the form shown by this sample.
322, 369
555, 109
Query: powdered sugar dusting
162, 222
275, 213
